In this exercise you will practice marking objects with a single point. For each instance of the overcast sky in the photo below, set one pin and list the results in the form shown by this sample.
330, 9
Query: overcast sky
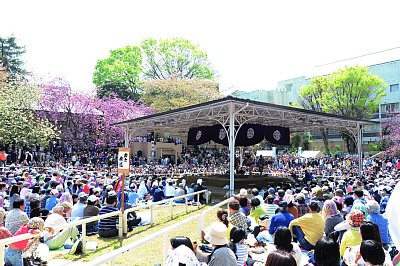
251, 44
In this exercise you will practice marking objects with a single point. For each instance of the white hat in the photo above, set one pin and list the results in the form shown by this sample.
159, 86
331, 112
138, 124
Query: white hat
92, 198
199, 181
217, 234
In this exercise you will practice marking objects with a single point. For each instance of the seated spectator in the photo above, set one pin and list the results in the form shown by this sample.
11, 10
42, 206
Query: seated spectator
369, 231
309, 228
282, 218
77, 210
133, 197
283, 242
67, 209
158, 194
381, 221
13, 254
36, 211
16, 217
59, 237
221, 254
352, 236
108, 227
279, 198
236, 218
237, 237
179, 191
331, 216
372, 253
326, 252
181, 253
53, 200
2, 216
256, 209
270, 207
302, 207
244, 206
280, 258
89, 211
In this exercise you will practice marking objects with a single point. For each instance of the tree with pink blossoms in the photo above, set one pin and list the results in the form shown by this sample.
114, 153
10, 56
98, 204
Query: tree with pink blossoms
85, 120
391, 134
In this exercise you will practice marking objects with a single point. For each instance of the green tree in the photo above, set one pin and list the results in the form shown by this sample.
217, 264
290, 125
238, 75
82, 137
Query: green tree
123, 71
10, 57
120, 73
174, 58
351, 92
311, 99
164, 95
18, 121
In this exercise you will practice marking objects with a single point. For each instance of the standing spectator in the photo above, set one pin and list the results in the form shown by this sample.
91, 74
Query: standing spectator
108, 226
3, 158
16, 217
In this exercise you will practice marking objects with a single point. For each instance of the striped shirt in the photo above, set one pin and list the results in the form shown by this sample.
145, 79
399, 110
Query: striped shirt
241, 253
110, 222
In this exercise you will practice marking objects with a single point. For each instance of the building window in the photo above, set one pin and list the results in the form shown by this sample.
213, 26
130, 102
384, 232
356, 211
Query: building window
289, 86
390, 107
394, 87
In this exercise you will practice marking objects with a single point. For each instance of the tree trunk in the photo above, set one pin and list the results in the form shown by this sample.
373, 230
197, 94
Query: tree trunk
324, 133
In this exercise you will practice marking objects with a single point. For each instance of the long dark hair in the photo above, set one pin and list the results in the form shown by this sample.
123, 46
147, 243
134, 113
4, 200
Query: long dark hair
283, 239
236, 235
326, 252
370, 231
372, 252
223, 216
14, 190
281, 258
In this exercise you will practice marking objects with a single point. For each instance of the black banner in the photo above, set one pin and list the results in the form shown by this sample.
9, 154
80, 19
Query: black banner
250, 134
277, 135
219, 135
199, 135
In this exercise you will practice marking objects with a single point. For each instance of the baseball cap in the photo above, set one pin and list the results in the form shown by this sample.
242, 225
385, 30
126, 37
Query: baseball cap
92, 198
82, 196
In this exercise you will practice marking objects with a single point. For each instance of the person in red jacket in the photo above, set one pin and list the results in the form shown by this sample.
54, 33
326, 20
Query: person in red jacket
13, 254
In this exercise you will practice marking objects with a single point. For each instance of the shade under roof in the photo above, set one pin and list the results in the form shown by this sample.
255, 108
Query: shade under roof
217, 111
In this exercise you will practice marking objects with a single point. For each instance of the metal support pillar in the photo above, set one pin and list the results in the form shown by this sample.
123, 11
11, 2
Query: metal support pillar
231, 149
126, 137
359, 146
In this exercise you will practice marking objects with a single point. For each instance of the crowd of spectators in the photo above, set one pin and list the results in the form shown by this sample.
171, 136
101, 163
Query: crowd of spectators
327, 205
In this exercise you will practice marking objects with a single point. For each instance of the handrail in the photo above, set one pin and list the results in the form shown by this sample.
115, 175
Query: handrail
150, 205
83, 222
111, 256
201, 222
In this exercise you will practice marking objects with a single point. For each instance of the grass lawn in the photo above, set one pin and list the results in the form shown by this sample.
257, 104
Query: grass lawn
152, 252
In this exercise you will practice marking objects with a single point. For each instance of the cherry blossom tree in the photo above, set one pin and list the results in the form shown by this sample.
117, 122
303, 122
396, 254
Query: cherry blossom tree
83, 119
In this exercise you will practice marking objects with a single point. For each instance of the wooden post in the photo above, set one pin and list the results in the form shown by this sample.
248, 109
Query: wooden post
123, 193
